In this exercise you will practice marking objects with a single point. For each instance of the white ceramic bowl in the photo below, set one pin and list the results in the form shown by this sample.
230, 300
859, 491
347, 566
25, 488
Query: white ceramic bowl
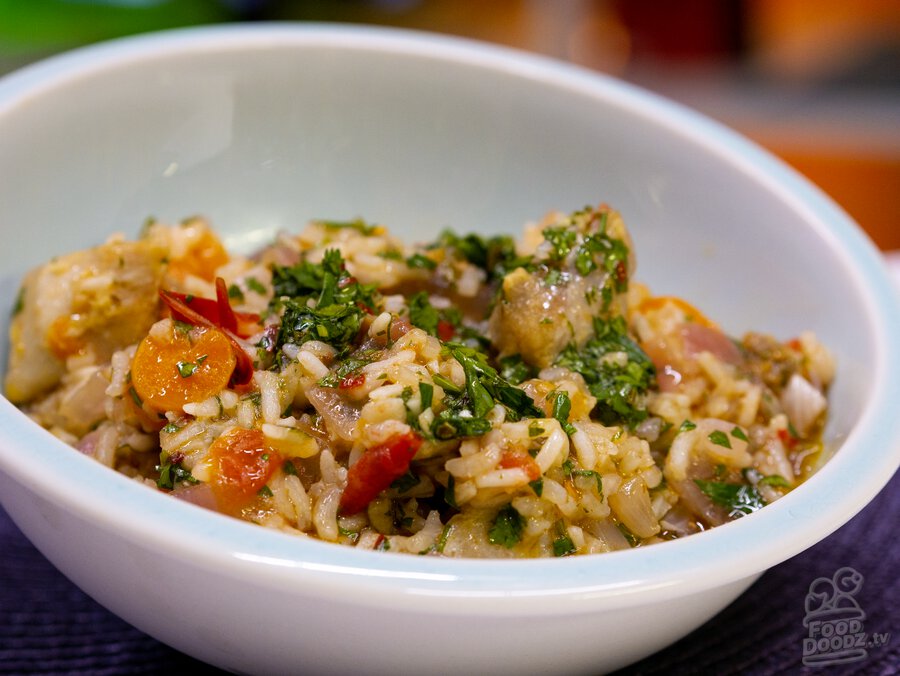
264, 127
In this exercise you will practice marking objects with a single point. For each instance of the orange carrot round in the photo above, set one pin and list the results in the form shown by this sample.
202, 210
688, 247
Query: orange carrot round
189, 365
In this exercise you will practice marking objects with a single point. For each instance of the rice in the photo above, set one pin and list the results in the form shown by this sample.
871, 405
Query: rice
472, 396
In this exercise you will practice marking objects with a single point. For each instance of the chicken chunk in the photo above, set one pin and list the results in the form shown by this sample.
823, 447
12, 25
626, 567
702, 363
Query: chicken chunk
86, 305
579, 271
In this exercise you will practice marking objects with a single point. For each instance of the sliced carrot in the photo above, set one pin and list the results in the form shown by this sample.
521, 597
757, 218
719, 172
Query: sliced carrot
183, 367
691, 313
241, 462
243, 370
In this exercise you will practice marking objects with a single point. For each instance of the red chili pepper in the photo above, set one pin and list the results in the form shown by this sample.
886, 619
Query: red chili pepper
377, 469
445, 330
243, 370
219, 311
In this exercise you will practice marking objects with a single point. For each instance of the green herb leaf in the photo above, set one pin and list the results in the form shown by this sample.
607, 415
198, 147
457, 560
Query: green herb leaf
687, 426
739, 499
507, 528
426, 394
619, 389
775, 480
719, 438
562, 405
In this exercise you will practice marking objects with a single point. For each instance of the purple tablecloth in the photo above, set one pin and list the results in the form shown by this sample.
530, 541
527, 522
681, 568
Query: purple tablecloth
48, 626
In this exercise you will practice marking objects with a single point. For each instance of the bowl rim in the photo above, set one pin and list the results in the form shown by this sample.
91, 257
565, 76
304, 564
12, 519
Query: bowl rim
739, 550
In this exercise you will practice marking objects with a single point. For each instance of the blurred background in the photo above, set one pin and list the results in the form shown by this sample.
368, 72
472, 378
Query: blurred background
817, 82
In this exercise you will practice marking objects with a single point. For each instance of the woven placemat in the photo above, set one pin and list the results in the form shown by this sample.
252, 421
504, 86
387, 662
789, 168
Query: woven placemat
48, 626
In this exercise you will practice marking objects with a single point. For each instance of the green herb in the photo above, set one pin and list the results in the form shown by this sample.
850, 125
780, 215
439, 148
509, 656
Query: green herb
187, 368
537, 486
739, 499
495, 255
514, 369
633, 540
170, 428
422, 314
591, 474
392, 254
450, 491
421, 261
234, 291
562, 241
619, 388
289, 468
562, 405
357, 224
719, 438
426, 394
348, 368
535, 429
442, 539
452, 424
254, 398
738, 433
687, 426
405, 482
265, 492
563, 546
775, 480
320, 302
446, 384
255, 285
507, 528
19, 303
484, 385
172, 473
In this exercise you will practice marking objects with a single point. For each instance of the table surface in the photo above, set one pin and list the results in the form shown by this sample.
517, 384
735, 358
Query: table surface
49, 626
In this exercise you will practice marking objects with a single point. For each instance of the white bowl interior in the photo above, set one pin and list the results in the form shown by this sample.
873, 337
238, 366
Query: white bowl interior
263, 129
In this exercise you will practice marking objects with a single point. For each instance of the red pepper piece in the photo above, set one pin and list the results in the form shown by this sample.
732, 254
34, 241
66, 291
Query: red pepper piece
377, 469
218, 311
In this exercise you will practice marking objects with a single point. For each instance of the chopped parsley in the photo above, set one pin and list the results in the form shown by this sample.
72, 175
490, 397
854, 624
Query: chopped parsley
563, 545
507, 527
719, 438
171, 473
357, 224
418, 260
619, 388
465, 409
495, 255
320, 302
738, 499
515, 370
234, 291
255, 285
562, 405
